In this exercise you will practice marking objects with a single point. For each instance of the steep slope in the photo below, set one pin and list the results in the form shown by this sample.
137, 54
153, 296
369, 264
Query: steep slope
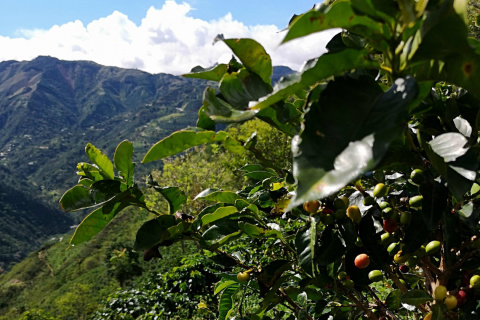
50, 109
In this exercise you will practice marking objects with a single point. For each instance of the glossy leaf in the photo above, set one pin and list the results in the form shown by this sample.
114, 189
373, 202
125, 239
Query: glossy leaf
225, 303
345, 136
463, 126
339, 15
100, 160
220, 213
221, 111
76, 198
105, 190
327, 65
89, 171
214, 73
96, 221
218, 196
181, 141
174, 196
257, 232
123, 161
393, 300
253, 56
242, 87
151, 232
449, 146
305, 242
415, 297
222, 285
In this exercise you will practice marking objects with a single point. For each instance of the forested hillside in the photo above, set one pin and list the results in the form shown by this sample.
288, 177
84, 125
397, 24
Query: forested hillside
50, 109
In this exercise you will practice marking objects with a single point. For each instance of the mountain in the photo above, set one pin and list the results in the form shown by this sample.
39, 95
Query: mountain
50, 109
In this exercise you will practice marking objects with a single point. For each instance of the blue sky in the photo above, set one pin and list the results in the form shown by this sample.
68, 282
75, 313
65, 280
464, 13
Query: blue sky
35, 14
156, 36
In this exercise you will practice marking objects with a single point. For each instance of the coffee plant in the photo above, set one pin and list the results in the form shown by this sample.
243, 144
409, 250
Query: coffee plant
378, 214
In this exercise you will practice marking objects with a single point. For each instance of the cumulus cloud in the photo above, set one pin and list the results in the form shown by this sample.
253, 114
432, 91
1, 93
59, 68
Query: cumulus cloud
167, 40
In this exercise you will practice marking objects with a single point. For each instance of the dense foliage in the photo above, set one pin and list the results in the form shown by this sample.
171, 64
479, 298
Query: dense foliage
378, 213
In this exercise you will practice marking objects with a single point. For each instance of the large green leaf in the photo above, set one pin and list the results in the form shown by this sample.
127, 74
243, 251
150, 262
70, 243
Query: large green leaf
89, 171
239, 88
174, 196
225, 304
105, 190
101, 160
152, 232
99, 218
339, 15
180, 141
218, 196
220, 213
221, 111
253, 56
346, 135
328, 65
416, 297
76, 198
305, 241
214, 73
123, 161
224, 283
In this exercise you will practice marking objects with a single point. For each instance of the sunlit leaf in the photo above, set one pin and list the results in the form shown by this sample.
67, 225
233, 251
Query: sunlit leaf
253, 56
181, 141
327, 65
123, 161
449, 146
225, 303
101, 160
339, 15
345, 136
214, 73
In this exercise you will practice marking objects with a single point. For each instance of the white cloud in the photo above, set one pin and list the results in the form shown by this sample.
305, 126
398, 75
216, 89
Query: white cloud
167, 40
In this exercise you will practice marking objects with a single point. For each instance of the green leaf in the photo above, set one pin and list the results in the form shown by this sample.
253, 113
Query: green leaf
76, 198
151, 232
221, 111
214, 73
222, 285
105, 190
305, 242
328, 65
257, 232
345, 136
393, 299
225, 303
220, 213
218, 196
96, 221
234, 146
101, 160
204, 121
253, 56
174, 196
415, 297
89, 171
273, 271
242, 87
99, 218
339, 15
123, 161
180, 141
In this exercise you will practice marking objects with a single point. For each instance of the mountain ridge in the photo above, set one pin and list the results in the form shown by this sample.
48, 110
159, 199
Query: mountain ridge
50, 109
